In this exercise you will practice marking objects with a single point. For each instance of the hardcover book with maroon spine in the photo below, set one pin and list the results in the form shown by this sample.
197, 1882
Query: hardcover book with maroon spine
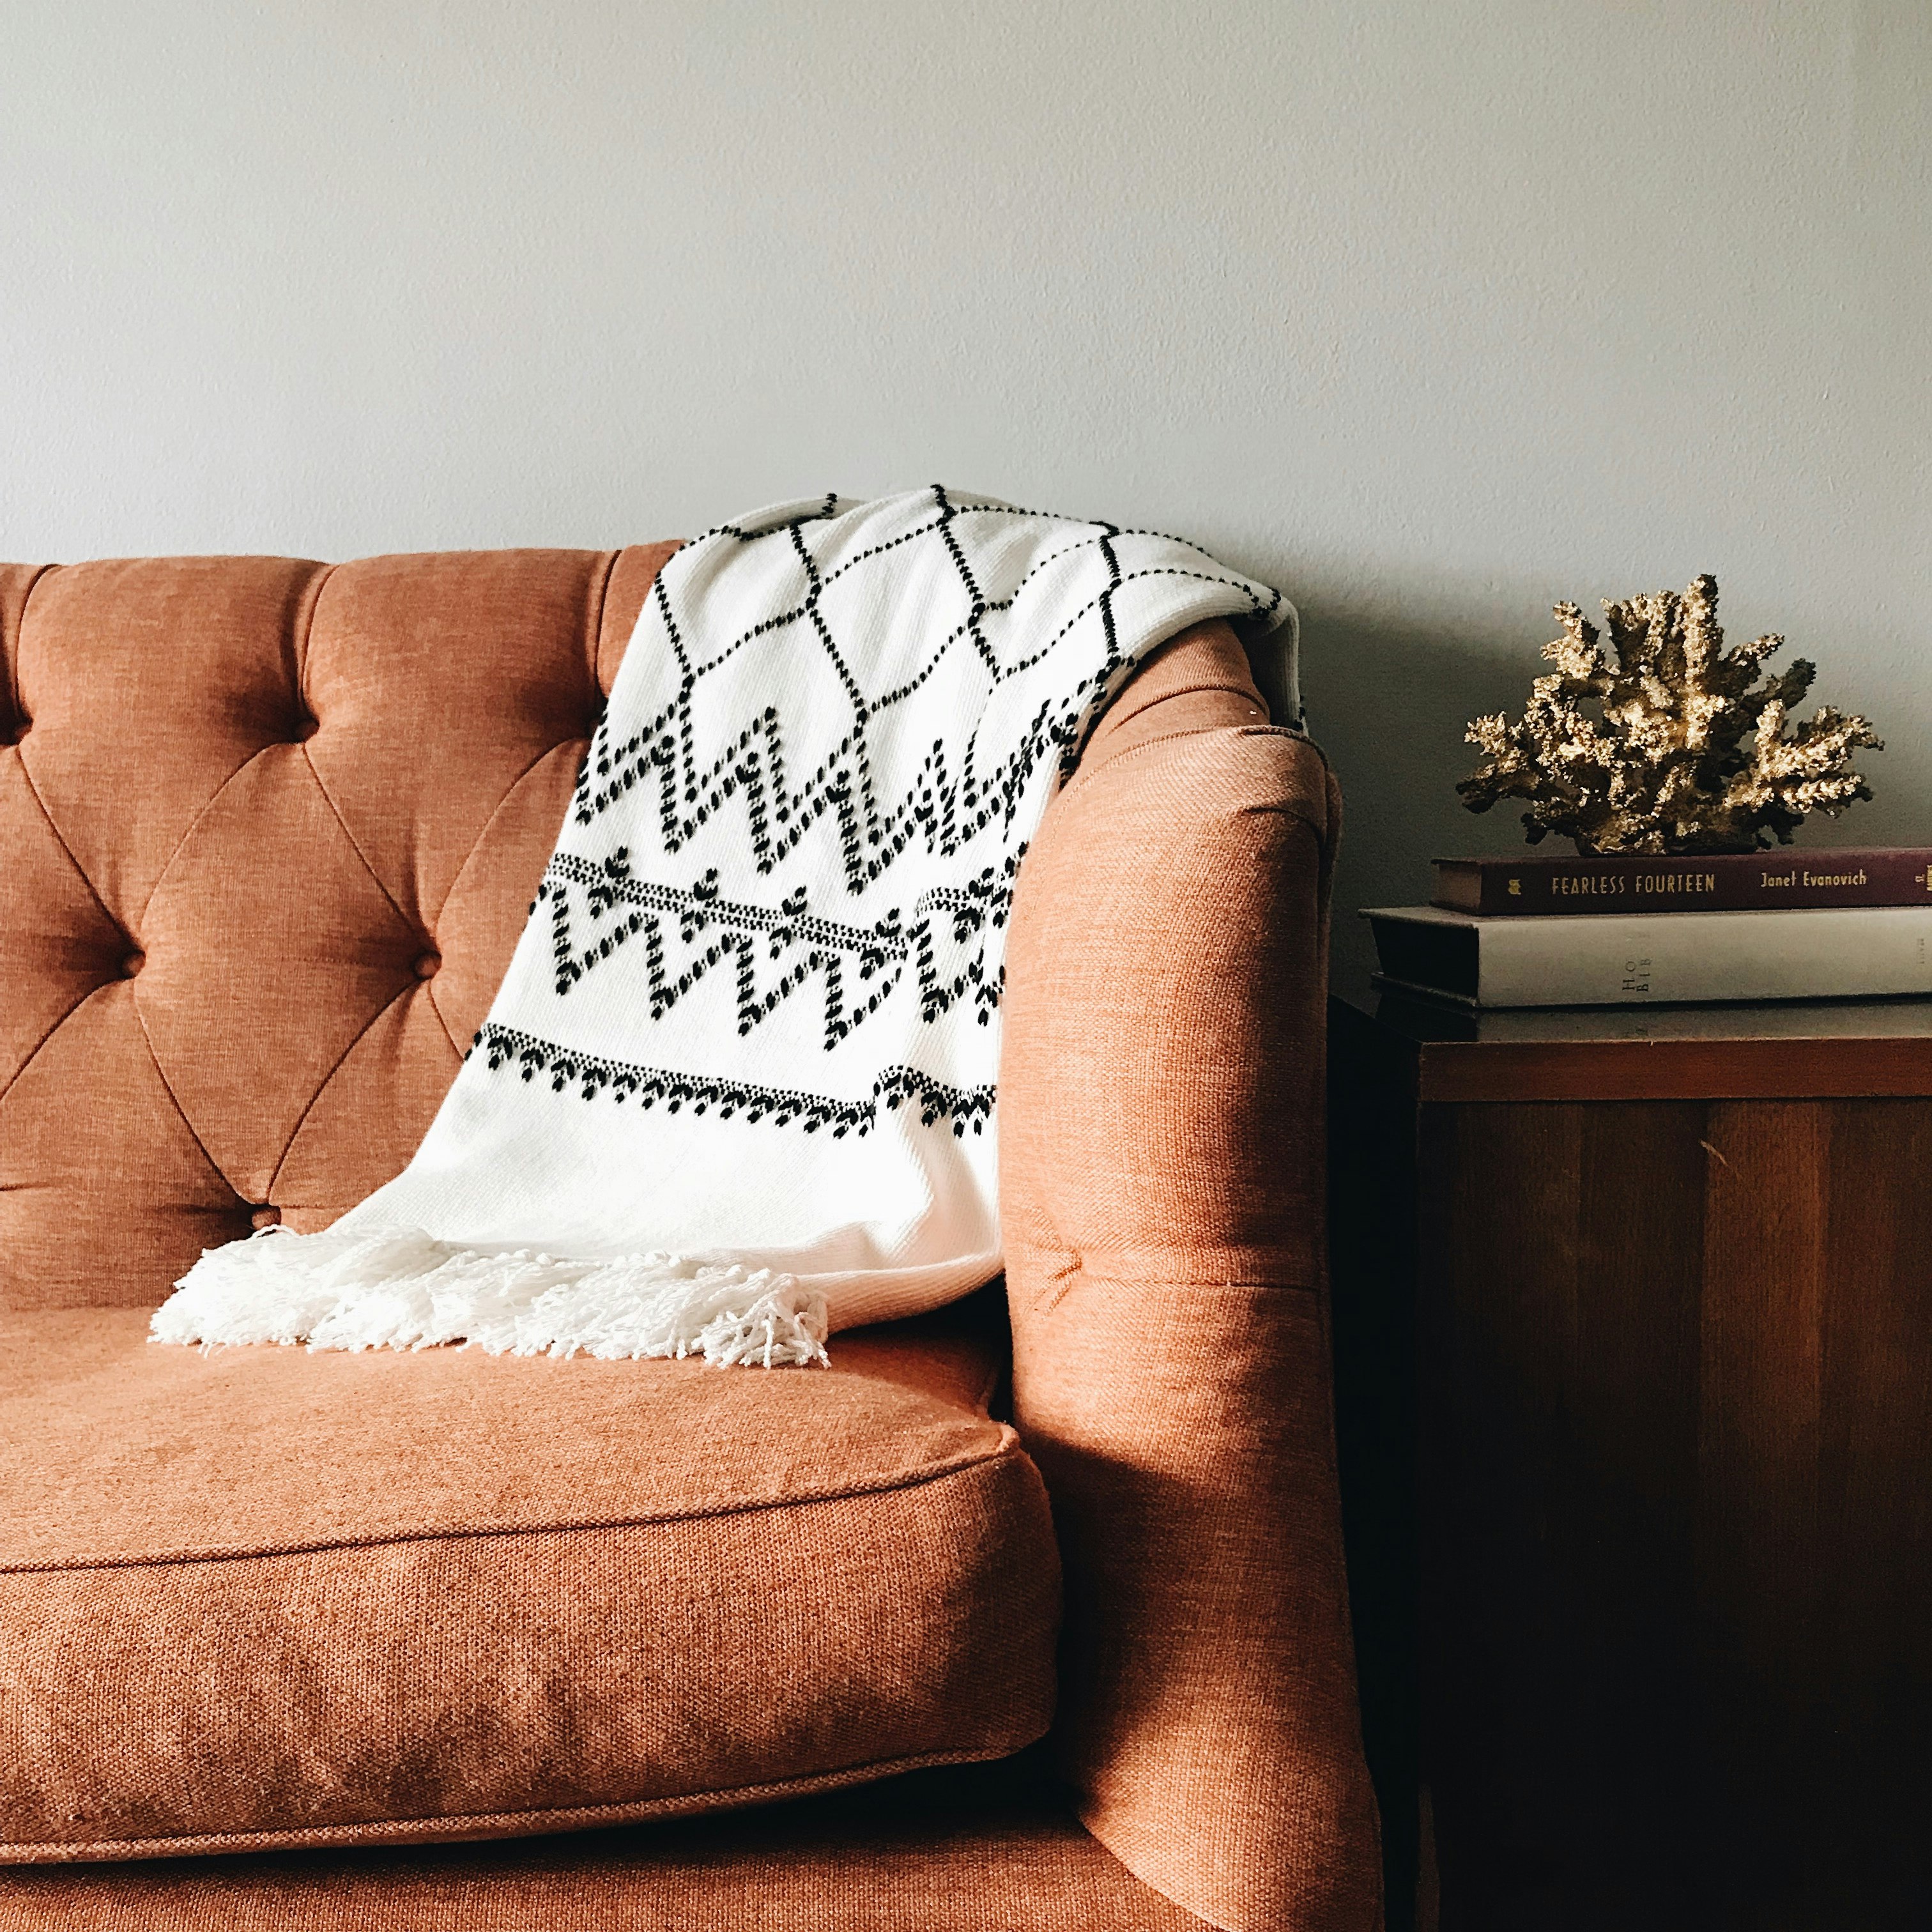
1894, 875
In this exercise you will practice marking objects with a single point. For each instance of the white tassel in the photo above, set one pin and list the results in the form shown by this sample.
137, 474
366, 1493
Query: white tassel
401, 1289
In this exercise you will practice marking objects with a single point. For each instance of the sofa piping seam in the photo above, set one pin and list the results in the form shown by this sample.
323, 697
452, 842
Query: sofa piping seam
1063, 1283
1124, 716
410, 926
1008, 1450
34, 1052
215, 1167
61, 1851
60, 839
594, 629
322, 1086
207, 804
1245, 731
476, 846
93, 893
443, 1020
188, 831
19, 630
299, 646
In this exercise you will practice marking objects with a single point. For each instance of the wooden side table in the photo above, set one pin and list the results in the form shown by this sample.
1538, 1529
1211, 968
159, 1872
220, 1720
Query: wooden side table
1633, 1335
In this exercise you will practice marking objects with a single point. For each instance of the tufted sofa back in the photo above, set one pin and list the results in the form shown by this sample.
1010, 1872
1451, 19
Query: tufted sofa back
268, 832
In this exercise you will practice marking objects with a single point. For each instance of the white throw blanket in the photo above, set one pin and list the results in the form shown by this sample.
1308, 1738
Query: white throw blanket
737, 1089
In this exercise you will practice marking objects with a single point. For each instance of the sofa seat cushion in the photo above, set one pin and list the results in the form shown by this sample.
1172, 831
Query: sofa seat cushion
887, 1858
258, 1597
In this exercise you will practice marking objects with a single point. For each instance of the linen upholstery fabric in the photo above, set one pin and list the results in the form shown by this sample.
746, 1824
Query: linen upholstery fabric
297, 791
917, 1856
259, 1597
266, 842
1161, 1177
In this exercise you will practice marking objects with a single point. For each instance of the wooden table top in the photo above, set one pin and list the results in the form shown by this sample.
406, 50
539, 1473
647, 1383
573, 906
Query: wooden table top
1784, 1049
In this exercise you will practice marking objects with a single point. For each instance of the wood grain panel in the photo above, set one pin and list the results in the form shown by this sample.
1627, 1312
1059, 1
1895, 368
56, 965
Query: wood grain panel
1559, 1414
1372, 1218
1672, 1368
1756, 1475
1872, 1786
1497, 1329
1633, 1392
1676, 1069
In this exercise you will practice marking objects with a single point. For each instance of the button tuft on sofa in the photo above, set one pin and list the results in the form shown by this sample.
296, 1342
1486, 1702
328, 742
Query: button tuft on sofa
428, 964
133, 963
266, 1596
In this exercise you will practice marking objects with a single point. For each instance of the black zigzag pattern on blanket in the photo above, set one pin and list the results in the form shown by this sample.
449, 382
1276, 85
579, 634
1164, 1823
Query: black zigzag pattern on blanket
942, 807
896, 1087
709, 929
950, 800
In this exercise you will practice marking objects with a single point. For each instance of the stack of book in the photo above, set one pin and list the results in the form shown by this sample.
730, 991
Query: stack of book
1587, 932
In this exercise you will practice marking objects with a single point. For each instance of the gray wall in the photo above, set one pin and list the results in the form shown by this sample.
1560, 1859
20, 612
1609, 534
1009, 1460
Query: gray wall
1431, 313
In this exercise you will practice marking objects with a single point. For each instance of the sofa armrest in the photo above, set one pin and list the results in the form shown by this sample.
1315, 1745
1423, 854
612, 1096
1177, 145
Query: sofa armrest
1161, 1184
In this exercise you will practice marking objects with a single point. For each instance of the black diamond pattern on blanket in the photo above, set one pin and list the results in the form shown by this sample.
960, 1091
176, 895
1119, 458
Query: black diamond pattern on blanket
891, 710
738, 1087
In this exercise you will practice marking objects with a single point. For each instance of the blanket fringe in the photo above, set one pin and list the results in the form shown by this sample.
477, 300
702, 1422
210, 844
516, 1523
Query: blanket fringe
401, 1289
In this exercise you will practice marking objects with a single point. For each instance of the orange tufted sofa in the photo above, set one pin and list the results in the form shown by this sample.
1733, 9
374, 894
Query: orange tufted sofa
291, 1641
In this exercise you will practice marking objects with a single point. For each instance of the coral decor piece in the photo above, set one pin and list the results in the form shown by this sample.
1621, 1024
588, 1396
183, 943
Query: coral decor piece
1687, 756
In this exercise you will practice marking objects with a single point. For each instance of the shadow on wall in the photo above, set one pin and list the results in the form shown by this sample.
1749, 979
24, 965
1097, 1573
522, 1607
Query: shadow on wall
1388, 700
1389, 695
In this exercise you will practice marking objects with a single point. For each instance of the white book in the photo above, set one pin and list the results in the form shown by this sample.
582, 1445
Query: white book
1619, 959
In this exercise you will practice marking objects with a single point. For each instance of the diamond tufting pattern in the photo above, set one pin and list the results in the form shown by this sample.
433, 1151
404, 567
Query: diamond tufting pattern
268, 832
